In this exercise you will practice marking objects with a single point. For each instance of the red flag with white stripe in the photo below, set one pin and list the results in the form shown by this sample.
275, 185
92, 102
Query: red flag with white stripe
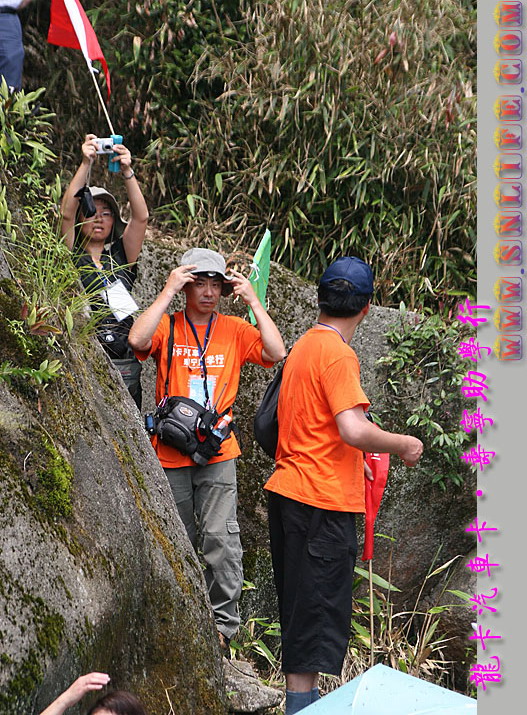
69, 27
379, 465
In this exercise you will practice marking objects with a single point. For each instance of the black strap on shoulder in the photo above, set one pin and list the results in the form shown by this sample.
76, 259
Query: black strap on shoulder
170, 350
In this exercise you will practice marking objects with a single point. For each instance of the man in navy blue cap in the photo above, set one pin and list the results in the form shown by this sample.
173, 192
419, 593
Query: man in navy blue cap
318, 484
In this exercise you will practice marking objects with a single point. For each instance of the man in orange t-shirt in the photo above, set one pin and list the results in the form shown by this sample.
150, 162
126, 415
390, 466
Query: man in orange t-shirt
318, 484
208, 352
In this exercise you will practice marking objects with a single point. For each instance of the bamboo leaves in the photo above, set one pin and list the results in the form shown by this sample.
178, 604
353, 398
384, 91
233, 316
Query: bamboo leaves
349, 124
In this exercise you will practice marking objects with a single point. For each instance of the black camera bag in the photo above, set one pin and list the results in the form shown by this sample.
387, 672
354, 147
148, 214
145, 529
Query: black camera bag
114, 343
177, 423
184, 424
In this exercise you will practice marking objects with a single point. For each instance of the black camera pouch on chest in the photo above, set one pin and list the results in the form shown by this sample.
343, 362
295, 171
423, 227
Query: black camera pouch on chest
184, 424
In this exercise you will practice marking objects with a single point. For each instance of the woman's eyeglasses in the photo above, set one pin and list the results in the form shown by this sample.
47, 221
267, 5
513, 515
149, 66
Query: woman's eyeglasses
102, 214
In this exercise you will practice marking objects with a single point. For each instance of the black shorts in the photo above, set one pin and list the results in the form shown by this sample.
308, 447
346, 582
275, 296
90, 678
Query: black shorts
314, 552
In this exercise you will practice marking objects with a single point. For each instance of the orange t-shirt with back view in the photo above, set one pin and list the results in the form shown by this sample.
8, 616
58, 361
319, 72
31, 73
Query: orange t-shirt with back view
232, 342
314, 466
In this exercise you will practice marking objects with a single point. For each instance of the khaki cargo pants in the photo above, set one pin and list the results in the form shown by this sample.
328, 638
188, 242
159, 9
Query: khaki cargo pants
206, 498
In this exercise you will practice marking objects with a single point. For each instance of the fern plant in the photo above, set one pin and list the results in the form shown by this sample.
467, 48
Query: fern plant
424, 365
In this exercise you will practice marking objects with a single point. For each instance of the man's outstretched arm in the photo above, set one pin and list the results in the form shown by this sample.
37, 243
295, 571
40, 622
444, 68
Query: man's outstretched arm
357, 431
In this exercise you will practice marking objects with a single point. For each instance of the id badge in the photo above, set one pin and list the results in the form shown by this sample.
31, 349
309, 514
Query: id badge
119, 300
196, 391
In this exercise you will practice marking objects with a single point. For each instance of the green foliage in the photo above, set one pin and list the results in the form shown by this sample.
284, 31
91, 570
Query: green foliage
343, 127
54, 486
152, 49
159, 43
22, 353
335, 152
376, 579
51, 305
257, 639
410, 641
24, 135
48, 278
424, 367
46, 372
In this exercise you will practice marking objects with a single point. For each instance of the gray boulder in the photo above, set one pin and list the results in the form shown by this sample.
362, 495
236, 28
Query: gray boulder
425, 525
245, 691
96, 572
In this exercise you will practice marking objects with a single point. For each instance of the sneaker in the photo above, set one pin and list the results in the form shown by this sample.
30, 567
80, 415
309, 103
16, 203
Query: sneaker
225, 645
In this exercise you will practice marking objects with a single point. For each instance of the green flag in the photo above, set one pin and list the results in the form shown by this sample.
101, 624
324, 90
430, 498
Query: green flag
259, 275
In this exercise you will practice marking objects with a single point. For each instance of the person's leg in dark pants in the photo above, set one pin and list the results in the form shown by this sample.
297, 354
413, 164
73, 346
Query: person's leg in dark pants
314, 554
11, 50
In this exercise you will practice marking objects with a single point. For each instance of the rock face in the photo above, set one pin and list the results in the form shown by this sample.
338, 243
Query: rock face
245, 692
96, 572
425, 524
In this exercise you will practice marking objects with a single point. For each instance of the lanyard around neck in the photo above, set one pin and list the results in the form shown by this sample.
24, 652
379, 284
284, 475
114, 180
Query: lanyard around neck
202, 351
103, 272
332, 328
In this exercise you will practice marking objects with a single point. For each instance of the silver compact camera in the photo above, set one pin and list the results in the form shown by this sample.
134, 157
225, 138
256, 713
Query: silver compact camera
104, 145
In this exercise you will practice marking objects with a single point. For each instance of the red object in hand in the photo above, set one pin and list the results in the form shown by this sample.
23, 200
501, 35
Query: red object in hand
379, 465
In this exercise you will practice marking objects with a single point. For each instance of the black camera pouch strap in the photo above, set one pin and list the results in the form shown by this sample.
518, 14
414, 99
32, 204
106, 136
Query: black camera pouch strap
86, 202
170, 351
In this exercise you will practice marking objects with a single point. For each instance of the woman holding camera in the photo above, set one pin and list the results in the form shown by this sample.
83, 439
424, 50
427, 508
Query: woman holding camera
106, 249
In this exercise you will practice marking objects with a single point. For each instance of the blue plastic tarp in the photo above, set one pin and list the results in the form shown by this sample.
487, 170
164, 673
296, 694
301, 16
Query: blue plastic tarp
384, 691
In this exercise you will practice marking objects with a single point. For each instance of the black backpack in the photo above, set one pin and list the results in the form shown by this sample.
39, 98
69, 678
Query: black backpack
266, 417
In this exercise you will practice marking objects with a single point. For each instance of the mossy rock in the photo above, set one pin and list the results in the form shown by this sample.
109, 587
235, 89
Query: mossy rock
97, 571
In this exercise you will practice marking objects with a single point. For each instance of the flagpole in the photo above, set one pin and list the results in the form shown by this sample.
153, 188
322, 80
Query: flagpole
92, 72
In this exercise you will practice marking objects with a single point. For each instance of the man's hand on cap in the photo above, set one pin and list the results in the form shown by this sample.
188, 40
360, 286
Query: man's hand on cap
179, 277
242, 287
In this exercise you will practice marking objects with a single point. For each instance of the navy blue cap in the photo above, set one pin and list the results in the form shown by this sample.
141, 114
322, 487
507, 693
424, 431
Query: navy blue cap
353, 270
